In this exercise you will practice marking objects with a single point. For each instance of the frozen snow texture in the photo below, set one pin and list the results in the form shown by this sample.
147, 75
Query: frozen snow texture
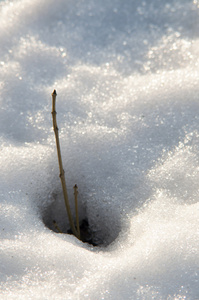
127, 78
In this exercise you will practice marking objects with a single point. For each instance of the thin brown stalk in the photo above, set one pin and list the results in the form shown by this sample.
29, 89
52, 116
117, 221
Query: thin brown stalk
62, 176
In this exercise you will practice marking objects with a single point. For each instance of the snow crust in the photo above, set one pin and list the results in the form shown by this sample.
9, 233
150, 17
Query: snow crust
127, 78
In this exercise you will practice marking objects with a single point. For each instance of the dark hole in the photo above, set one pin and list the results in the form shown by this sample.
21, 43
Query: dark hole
87, 236
55, 218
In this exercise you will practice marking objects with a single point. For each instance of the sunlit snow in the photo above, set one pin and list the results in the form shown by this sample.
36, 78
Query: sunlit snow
127, 78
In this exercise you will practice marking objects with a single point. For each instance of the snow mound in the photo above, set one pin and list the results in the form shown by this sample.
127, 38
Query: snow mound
127, 79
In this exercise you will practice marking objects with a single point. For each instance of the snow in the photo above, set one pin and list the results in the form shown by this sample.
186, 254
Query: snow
127, 78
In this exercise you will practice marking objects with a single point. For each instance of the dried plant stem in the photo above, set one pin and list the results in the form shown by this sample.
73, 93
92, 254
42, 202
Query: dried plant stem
62, 177
76, 209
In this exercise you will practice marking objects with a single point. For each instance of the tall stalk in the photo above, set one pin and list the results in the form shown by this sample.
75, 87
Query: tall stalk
61, 175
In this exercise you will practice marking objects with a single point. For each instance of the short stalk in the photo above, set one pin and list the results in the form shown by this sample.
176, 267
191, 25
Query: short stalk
76, 209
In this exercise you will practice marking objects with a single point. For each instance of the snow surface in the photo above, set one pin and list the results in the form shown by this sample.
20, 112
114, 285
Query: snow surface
127, 78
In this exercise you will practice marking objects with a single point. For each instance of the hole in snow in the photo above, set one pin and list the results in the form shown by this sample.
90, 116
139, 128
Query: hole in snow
94, 228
